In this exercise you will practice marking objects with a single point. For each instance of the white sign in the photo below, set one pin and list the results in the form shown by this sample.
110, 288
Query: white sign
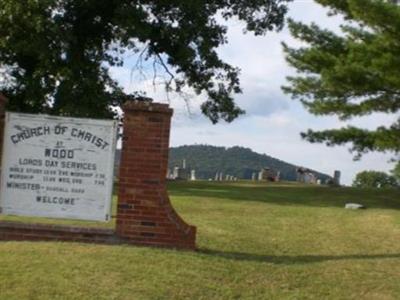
57, 167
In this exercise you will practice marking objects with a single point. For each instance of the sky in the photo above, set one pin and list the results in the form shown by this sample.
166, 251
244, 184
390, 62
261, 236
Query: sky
273, 121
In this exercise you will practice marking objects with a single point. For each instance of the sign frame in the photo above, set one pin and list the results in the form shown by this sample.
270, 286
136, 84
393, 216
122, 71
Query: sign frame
110, 128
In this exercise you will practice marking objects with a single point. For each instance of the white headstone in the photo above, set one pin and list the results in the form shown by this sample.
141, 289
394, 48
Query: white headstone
193, 175
354, 206
221, 176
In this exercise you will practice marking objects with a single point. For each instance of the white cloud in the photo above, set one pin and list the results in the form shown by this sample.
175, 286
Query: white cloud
273, 122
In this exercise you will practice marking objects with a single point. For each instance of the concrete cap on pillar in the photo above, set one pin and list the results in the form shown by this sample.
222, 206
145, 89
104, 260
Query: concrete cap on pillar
137, 105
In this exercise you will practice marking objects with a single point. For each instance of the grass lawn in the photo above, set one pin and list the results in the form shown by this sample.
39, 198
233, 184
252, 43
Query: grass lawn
256, 241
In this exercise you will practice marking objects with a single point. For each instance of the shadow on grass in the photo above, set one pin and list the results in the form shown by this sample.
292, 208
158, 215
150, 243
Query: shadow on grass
303, 195
290, 260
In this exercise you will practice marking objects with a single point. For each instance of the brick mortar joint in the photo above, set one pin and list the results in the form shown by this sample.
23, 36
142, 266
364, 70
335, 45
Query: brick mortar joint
39, 227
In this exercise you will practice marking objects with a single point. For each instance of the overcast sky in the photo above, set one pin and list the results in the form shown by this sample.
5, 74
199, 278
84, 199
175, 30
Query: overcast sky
273, 121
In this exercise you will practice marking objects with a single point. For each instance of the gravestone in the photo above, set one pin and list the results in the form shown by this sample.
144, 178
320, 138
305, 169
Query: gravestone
176, 172
254, 176
336, 177
193, 175
354, 206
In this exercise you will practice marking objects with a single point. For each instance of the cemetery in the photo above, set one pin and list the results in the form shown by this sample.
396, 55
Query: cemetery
295, 229
112, 189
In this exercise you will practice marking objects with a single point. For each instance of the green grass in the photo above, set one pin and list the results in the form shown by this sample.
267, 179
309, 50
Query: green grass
256, 241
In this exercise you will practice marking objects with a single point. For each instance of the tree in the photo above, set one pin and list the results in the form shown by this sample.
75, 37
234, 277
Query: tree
354, 73
396, 171
374, 179
55, 55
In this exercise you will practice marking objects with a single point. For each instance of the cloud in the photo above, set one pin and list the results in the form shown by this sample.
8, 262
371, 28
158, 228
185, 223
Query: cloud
273, 121
261, 101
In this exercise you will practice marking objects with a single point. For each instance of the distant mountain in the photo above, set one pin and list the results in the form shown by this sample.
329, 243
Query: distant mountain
236, 161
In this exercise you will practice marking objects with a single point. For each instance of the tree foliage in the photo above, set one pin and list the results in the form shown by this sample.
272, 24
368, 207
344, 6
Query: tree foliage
350, 74
396, 171
374, 179
55, 55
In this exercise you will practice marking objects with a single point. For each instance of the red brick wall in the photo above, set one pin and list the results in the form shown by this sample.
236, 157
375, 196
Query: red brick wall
145, 215
48, 232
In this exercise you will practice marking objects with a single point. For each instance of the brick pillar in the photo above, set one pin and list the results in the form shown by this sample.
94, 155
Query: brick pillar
145, 215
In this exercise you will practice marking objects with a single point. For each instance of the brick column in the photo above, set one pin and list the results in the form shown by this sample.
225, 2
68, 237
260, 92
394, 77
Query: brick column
145, 215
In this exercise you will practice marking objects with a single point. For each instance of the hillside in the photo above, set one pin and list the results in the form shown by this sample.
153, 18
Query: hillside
236, 161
